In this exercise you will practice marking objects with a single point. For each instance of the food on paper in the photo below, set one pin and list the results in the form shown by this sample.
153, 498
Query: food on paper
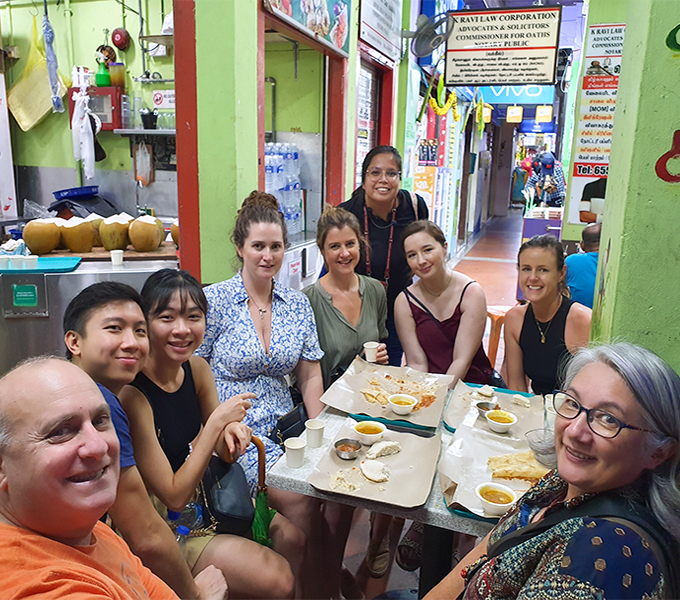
385, 448
383, 386
485, 407
517, 466
340, 481
521, 400
486, 390
375, 471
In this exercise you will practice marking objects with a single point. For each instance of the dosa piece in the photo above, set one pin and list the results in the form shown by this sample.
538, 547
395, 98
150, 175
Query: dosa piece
517, 466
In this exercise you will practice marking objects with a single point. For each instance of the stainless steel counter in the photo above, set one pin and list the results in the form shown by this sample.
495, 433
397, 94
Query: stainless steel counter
36, 329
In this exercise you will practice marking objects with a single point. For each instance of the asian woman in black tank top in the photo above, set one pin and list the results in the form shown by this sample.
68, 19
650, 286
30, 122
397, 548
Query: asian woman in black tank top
539, 335
175, 380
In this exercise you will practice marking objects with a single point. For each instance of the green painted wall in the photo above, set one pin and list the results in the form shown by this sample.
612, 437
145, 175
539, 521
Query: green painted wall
640, 234
299, 102
226, 86
599, 11
78, 27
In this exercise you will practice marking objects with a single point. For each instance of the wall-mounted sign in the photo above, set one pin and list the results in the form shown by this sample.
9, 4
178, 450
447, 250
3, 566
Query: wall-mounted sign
593, 139
515, 114
380, 26
503, 47
519, 94
544, 114
486, 114
325, 20
163, 98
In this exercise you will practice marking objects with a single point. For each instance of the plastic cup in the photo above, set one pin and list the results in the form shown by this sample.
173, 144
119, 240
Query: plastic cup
31, 261
315, 429
4, 262
371, 351
116, 258
549, 413
16, 262
295, 452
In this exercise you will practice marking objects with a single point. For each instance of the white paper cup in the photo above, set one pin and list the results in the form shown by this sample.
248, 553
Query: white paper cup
16, 262
31, 261
295, 452
4, 262
314, 429
371, 351
116, 258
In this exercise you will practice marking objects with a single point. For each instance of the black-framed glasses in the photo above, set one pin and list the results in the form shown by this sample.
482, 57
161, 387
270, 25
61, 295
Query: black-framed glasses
600, 422
378, 173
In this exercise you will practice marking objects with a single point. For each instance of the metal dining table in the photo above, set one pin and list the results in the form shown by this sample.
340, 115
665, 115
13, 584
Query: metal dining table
440, 522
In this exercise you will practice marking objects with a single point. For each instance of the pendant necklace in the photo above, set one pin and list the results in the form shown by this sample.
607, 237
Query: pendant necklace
262, 312
538, 325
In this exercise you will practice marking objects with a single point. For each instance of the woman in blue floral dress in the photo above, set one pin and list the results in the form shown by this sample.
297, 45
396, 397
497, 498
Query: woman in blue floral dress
258, 332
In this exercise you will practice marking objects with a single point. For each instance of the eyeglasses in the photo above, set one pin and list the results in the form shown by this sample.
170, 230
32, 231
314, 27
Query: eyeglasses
600, 422
378, 173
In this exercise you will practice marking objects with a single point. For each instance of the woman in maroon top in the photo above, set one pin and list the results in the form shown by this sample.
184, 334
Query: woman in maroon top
441, 317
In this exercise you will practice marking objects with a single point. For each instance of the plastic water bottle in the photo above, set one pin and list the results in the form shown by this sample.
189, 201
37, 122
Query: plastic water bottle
182, 537
280, 181
191, 517
296, 207
296, 159
269, 175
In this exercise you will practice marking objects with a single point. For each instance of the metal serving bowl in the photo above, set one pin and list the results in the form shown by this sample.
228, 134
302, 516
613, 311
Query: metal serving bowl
484, 407
345, 454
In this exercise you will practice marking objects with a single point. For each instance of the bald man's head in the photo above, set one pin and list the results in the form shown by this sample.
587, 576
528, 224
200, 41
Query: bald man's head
58, 450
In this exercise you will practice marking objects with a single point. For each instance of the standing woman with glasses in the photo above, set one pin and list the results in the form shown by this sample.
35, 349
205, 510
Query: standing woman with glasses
384, 211
541, 334
606, 523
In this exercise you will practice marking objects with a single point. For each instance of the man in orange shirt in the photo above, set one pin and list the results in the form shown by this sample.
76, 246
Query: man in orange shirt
59, 471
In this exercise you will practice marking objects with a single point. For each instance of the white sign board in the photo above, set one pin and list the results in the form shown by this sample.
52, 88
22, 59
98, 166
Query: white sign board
8, 201
592, 142
164, 99
503, 47
381, 26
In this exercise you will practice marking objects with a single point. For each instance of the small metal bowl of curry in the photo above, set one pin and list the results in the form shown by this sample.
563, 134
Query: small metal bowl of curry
347, 448
500, 421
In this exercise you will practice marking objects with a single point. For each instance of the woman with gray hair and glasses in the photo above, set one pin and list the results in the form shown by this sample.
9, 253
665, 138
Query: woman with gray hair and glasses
606, 523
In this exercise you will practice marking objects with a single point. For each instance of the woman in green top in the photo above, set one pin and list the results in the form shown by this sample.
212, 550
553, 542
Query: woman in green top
349, 309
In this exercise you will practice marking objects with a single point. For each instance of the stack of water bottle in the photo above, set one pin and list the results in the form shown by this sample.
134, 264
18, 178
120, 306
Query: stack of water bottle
184, 522
282, 179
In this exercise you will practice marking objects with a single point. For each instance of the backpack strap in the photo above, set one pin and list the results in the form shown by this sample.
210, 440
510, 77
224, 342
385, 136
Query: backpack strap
414, 203
633, 514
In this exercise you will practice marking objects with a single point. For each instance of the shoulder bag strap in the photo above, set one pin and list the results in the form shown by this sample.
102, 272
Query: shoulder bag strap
421, 305
605, 506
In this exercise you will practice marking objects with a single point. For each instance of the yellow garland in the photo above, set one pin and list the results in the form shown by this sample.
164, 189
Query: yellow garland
450, 101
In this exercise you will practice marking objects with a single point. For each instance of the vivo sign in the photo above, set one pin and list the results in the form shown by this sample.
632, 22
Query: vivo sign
518, 94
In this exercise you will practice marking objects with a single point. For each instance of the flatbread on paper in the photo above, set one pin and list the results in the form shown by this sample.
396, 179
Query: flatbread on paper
517, 466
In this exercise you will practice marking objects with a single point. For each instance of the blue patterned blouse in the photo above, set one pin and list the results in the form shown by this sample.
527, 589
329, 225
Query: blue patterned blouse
581, 558
240, 364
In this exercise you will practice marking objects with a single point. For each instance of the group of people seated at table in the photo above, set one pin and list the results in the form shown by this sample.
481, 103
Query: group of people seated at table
183, 373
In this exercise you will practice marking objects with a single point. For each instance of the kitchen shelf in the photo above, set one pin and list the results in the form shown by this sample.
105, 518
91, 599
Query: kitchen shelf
145, 131
167, 40
152, 80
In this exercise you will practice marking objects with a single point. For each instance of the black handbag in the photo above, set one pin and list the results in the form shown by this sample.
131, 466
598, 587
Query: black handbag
226, 498
292, 424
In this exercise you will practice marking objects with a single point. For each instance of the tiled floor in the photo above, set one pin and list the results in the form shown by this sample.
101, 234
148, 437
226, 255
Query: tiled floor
491, 262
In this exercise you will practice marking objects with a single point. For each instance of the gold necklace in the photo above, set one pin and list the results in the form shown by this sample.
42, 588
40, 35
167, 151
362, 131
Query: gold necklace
538, 325
446, 287
261, 309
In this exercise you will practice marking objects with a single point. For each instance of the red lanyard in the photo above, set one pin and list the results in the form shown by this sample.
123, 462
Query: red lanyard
389, 246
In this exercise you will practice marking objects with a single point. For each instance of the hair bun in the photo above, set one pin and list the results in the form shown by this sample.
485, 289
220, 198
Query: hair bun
258, 198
